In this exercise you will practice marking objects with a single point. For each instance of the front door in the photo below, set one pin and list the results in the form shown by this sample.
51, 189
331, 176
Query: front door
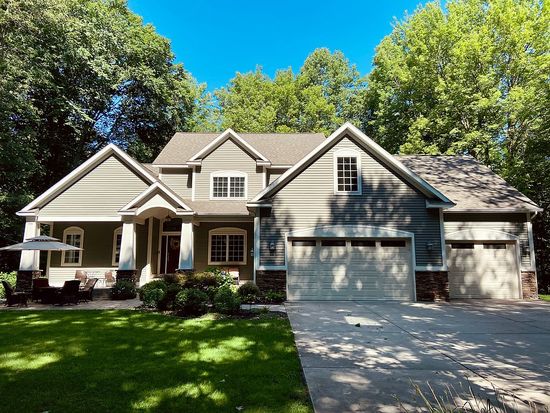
170, 253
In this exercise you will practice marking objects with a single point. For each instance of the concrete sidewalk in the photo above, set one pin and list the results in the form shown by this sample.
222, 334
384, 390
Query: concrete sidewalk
364, 356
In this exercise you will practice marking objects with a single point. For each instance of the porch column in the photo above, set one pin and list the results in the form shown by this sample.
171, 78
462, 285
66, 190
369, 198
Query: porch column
30, 260
29, 265
186, 246
127, 260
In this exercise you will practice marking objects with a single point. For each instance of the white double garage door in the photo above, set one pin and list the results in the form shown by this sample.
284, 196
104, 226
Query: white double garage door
350, 269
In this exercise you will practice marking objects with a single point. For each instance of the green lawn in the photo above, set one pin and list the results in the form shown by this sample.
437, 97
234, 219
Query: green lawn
545, 297
115, 361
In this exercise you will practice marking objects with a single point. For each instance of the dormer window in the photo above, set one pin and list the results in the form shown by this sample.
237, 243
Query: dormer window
347, 172
228, 185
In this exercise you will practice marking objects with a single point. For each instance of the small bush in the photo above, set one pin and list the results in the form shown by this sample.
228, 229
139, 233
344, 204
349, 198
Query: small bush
10, 277
201, 280
123, 290
152, 298
249, 292
191, 301
152, 285
226, 301
274, 297
177, 278
167, 302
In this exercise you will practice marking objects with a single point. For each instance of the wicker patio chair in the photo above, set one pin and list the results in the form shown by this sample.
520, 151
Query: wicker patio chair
37, 285
68, 294
82, 276
109, 279
87, 293
13, 297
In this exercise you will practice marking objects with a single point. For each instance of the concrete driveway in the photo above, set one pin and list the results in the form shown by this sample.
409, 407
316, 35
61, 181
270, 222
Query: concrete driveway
364, 356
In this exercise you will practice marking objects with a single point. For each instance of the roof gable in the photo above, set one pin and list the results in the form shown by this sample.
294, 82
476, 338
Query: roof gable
216, 143
152, 195
358, 137
83, 170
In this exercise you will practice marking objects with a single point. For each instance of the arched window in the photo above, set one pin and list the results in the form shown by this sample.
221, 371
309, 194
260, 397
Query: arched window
347, 172
73, 236
228, 185
227, 246
117, 241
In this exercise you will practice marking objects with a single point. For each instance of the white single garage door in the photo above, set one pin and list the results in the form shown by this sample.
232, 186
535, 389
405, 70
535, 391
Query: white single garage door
483, 270
349, 269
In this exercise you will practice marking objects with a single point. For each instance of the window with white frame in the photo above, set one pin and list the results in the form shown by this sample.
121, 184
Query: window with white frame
117, 242
73, 236
228, 185
227, 246
347, 172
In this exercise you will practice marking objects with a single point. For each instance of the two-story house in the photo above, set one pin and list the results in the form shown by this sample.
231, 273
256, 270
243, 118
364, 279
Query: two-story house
321, 218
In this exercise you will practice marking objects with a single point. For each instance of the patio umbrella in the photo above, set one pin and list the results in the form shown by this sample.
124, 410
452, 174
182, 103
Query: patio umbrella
41, 243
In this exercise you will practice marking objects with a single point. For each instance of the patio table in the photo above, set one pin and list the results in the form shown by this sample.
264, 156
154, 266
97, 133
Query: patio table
48, 294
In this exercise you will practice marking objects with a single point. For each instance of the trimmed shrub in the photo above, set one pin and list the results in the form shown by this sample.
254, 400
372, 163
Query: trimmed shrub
152, 298
10, 277
202, 280
249, 292
123, 290
226, 301
152, 285
191, 301
275, 297
178, 278
167, 302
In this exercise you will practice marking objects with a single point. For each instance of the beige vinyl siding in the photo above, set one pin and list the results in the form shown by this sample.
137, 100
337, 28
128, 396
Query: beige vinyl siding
228, 157
201, 246
386, 201
179, 180
514, 224
274, 173
101, 192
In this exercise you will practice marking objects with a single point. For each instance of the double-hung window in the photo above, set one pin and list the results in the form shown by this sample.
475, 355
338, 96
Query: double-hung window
227, 246
347, 172
228, 185
73, 236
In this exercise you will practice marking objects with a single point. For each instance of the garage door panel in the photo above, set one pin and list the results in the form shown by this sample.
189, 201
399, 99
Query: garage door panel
484, 271
349, 273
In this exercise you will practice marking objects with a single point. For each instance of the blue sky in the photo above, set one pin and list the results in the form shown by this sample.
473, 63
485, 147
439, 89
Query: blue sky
217, 38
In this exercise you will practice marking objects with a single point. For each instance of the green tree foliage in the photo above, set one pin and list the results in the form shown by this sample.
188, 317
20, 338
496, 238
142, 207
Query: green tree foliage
74, 75
471, 79
324, 94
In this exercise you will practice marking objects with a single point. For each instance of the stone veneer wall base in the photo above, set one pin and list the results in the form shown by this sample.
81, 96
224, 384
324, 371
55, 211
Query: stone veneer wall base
271, 280
529, 285
432, 286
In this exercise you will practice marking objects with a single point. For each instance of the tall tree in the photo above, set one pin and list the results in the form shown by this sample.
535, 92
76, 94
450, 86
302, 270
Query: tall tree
472, 78
323, 95
75, 74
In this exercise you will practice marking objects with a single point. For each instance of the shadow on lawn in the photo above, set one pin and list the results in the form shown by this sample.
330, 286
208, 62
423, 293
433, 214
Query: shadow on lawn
130, 361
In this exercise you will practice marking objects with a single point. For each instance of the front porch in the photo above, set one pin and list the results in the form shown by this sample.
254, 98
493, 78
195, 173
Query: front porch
143, 248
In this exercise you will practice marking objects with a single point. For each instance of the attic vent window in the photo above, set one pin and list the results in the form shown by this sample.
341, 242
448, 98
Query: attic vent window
228, 185
347, 172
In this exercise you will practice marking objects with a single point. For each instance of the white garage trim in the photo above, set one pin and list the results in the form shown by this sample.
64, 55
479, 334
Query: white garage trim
351, 232
480, 235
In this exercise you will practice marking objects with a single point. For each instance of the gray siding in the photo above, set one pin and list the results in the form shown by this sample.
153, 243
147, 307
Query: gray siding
387, 201
273, 174
514, 224
201, 246
228, 157
102, 192
179, 180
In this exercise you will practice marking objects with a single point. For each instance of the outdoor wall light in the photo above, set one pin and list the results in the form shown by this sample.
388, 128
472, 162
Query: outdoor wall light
271, 246
430, 246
